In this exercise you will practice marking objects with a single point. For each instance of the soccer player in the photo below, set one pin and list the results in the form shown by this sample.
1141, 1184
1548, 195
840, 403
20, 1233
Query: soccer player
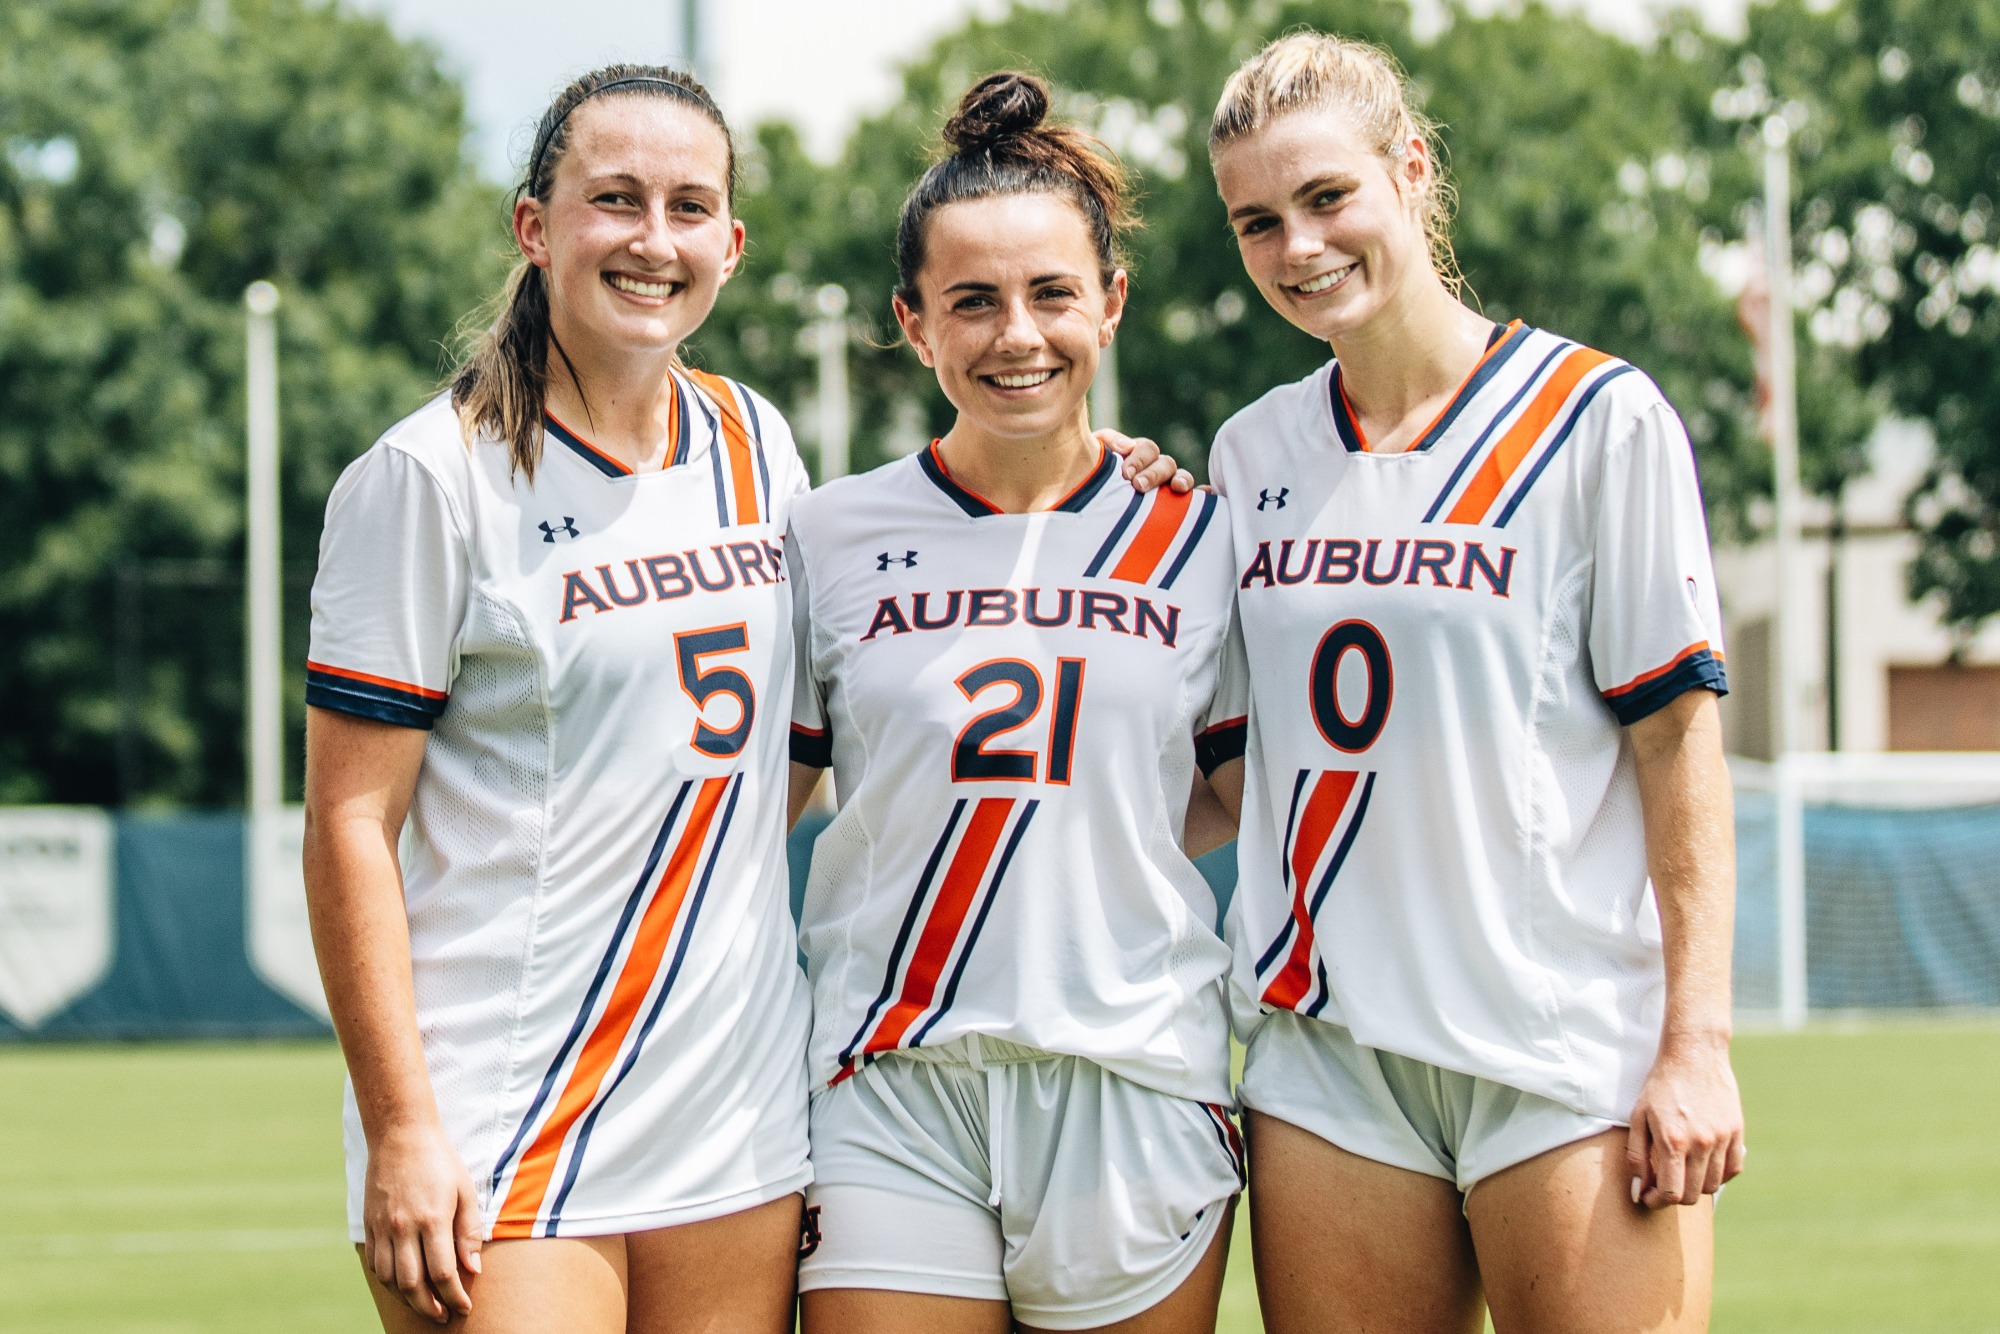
551, 618
1013, 664
1482, 932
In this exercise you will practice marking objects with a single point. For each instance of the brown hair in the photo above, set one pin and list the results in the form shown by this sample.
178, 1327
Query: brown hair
1312, 71
501, 386
1001, 145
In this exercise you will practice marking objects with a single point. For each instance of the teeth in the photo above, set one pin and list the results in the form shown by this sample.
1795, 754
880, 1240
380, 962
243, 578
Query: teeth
1324, 281
1027, 381
637, 288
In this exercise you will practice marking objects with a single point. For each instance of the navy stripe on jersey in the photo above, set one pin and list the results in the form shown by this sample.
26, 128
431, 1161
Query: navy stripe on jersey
812, 747
1221, 743
756, 437
604, 970
1576, 415
1193, 539
1492, 425
684, 420
1117, 532
1285, 872
715, 452
978, 923
903, 935
375, 698
637, 1042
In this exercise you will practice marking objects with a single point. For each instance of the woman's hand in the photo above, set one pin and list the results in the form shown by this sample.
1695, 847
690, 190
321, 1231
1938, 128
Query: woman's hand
420, 1221
1686, 1139
1145, 466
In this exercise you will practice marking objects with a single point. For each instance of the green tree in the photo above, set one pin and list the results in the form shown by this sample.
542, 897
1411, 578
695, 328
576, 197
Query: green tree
1897, 109
159, 156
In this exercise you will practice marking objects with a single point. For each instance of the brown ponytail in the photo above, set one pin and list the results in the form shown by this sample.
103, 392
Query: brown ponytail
1001, 145
500, 388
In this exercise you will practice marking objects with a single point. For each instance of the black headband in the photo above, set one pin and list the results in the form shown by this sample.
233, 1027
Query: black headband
543, 141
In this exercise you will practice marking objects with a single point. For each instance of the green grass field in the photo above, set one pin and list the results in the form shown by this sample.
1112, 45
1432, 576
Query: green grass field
163, 1189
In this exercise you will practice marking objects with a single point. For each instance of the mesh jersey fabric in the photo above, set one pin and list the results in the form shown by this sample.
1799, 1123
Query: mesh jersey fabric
1013, 706
1442, 844
606, 985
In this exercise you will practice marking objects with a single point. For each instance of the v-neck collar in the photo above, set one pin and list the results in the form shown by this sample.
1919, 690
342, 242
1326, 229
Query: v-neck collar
677, 443
1500, 346
979, 507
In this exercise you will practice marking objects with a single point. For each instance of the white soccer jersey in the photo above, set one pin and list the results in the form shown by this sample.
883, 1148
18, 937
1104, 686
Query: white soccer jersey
1013, 706
1442, 845
606, 979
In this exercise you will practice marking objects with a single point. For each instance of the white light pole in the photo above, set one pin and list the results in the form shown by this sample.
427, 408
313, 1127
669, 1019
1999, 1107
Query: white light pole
1104, 405
691, 36
262, 604
834, 421
1786, 651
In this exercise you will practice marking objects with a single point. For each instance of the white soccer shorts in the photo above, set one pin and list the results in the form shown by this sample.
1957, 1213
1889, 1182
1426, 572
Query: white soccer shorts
988, 1170
1400, 1111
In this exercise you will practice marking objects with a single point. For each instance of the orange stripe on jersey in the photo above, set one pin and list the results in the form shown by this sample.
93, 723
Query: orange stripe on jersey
954, 900
404, 686
1506, 456
1156, 534
649, 946
742, 466
1322, 813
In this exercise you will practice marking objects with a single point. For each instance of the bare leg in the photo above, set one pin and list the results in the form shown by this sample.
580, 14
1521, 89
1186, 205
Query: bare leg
876, 1311
1190, 1308
731, 1275
1562, 1246
527, 1287
1346, 1244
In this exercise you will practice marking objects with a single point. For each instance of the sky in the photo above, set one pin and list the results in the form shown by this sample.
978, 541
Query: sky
822, 64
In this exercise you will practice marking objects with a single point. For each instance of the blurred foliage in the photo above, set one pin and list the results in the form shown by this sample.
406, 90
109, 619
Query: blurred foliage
159, 155
1896, 104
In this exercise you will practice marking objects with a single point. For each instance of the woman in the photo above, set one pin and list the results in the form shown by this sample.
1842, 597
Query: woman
547, 609
1013, 663
1484, 1057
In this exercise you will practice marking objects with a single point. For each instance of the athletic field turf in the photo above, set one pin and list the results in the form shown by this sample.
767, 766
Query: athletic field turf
161, 1189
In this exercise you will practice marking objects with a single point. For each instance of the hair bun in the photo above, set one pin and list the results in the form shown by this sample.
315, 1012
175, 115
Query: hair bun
997, 108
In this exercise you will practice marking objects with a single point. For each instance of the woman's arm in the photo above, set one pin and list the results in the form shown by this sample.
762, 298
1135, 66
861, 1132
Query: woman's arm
1686, 1138
421, 1216
1215, 807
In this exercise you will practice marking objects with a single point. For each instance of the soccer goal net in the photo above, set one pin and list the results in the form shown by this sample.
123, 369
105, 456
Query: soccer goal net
1867, 882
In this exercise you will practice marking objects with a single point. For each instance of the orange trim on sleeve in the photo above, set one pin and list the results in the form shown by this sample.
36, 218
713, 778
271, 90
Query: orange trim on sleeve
385, 681
1700, 646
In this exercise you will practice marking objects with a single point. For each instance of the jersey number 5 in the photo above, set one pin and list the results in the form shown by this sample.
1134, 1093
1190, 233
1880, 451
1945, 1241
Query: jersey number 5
690, 647
1352, 735
972, 762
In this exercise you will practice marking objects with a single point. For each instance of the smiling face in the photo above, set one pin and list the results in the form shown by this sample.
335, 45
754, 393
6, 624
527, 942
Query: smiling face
1013, 311
635, 235
1324, 229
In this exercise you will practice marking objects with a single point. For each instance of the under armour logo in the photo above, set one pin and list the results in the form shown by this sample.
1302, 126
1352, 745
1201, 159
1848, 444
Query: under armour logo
568, 526
906, 560
1265, 500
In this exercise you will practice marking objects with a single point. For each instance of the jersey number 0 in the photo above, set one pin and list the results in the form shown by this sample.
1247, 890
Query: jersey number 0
971, 761
1352, 735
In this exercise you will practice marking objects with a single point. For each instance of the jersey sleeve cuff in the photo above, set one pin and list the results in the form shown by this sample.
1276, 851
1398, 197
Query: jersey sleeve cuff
1696, 667
376, 697
1220, 744
812, 747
